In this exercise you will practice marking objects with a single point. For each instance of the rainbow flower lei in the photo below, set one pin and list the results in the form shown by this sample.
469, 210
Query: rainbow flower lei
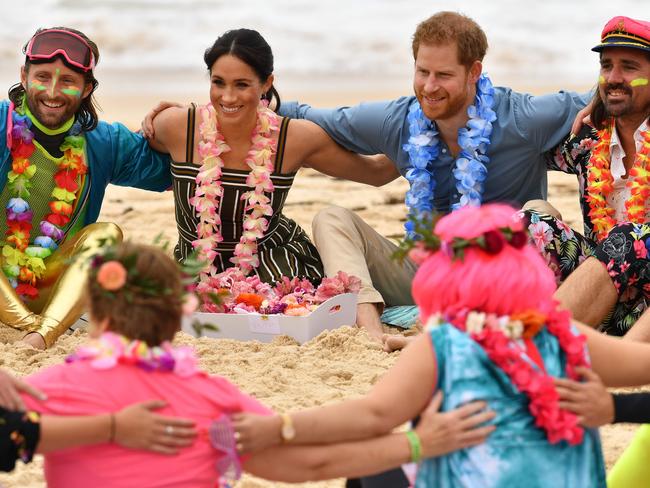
470, 171
24, 263
209, 191
506, 340
111, 349
600, 183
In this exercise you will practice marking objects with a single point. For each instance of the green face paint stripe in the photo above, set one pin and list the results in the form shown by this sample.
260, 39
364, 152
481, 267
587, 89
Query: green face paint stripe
639, 82
37, 85
601, 80
54, 80
75, 92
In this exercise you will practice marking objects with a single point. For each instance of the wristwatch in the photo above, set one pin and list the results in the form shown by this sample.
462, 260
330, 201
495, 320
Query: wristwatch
287, 431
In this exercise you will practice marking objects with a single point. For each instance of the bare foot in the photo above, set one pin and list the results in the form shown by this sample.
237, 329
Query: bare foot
395, 342
35, 340
368, 318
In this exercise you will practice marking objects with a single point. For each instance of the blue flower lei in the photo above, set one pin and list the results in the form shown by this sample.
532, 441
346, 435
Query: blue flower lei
470, 171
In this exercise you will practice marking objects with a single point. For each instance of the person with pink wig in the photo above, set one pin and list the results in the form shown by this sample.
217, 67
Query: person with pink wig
494, 333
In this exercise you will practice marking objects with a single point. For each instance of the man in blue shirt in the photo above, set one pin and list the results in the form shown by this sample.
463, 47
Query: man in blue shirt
56, 159
457, 141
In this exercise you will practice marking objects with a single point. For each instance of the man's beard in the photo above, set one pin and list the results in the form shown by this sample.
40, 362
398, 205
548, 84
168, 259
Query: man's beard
621, 108
70, 110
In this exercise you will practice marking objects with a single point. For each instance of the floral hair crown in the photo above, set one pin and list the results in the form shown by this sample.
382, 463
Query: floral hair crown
428, 242
119, 274
114, 272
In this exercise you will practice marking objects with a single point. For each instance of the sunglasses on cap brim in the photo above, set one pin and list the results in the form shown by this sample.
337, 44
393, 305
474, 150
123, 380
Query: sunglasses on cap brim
52, 42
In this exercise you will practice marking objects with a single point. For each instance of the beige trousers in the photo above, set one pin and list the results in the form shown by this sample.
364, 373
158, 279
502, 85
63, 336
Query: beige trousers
346, 243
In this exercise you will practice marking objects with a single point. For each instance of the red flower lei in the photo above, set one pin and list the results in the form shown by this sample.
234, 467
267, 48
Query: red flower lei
529, 376
600, 183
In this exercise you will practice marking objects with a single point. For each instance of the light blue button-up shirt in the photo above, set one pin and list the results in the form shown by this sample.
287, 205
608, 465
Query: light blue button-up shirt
526, 127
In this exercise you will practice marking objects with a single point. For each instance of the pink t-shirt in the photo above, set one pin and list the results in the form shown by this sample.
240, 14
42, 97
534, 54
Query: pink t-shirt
78, 389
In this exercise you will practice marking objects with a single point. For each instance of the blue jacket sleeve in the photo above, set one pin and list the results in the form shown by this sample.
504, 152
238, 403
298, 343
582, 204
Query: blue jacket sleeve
126, 159
361, 128
546, 120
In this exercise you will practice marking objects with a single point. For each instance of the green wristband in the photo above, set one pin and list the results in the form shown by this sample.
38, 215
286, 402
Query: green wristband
416, 445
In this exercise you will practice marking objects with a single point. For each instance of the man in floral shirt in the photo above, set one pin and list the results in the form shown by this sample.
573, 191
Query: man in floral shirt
612, 163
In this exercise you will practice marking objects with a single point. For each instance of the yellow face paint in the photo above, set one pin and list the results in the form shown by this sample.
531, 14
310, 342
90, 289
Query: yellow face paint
639, 82
601, 79
72, 91
37, 85
54, 80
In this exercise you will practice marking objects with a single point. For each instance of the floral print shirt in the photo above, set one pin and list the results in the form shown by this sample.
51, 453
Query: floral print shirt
19, 435
572, 156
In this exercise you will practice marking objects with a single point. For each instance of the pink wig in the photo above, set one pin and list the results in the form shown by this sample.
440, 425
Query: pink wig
513, 280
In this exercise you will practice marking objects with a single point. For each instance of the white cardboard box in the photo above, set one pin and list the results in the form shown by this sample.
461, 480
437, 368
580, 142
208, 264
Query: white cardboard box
335, 312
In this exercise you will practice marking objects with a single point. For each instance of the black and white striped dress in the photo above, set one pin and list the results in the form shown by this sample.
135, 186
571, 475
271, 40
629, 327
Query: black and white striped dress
285, 250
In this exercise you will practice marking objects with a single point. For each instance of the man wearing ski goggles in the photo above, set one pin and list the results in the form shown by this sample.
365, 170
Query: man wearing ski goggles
49, 43
56, 160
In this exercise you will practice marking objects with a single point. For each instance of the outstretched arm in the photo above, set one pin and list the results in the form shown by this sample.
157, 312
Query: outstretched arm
314, 148
617, 362
170, 129
135, 427
412, 377
440, 433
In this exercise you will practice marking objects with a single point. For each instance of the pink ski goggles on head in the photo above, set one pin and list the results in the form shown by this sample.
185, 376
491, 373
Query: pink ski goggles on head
49, 43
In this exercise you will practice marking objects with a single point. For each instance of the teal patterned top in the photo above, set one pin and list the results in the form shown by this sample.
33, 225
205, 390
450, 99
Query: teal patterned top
517, 453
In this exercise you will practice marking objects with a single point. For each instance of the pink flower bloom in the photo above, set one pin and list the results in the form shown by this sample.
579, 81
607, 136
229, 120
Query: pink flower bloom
587, 144
185, 362
640, 250
567, 232
111, 275
329, 288
297, 311
541, 233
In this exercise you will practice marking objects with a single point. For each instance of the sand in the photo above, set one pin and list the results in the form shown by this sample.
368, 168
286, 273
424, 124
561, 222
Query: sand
339, 364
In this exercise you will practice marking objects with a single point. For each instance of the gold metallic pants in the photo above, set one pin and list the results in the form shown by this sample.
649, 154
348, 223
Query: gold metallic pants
61, 289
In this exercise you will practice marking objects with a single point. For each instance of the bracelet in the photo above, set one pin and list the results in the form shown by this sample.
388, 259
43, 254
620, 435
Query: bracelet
415, 444
111, 438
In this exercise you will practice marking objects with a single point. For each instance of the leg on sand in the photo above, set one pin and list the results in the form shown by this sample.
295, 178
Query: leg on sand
345, 242
63, 284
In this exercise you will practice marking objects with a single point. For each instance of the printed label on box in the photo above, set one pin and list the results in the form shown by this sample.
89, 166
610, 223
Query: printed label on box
264, 324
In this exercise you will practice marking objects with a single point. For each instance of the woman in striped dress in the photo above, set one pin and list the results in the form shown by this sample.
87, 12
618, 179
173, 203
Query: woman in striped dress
235, 161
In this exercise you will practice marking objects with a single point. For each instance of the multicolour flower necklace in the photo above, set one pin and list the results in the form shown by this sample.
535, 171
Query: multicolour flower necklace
111, 349
23, 262
209, 191
600, 183
470, 171
507, 341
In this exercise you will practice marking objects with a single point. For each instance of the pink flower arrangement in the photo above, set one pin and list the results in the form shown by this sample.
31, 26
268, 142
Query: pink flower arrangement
248, 294
111, 275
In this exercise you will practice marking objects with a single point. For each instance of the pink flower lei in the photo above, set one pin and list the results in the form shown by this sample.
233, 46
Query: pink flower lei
112, 349
209, 191
505, 344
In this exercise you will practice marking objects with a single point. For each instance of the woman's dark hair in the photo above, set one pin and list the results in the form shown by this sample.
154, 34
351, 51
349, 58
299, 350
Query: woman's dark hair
249, 46
87, 113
